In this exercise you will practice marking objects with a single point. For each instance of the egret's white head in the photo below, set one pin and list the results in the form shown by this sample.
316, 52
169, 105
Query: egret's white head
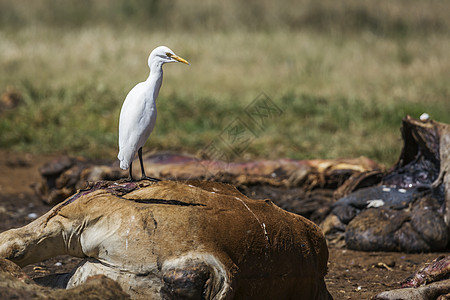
162, 55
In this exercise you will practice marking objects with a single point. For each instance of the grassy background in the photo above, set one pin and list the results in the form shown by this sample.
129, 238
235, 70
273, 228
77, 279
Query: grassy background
344, 72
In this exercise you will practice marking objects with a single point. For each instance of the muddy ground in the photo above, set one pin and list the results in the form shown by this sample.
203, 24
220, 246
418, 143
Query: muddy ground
351, 275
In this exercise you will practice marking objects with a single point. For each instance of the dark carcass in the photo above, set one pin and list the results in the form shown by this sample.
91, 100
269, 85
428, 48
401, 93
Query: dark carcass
408, 208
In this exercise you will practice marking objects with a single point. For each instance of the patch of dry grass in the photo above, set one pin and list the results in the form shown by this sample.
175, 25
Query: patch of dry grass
239, 63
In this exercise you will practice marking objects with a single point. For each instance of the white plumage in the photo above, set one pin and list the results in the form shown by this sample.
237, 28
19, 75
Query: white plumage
138, 114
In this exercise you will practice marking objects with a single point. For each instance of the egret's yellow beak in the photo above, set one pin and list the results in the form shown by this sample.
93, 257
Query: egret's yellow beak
180, 59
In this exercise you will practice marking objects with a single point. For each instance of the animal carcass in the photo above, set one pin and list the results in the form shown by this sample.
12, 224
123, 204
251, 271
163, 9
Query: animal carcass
190, 240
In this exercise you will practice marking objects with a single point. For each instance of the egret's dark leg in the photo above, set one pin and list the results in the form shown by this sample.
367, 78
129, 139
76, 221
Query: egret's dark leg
131, 172
142, 168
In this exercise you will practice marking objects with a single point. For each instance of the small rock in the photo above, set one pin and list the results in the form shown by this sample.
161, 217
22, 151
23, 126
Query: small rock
32, 215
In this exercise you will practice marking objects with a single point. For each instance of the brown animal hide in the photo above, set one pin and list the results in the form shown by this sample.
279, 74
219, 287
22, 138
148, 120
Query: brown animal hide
172, 239
406, 209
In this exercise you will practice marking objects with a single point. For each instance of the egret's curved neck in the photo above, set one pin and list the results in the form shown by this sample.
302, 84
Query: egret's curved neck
154, 79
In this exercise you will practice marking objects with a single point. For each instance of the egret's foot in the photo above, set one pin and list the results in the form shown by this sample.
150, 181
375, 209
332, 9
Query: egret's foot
150, 178
130, 179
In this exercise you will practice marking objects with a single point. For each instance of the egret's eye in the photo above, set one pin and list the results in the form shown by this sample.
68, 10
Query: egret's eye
169, 54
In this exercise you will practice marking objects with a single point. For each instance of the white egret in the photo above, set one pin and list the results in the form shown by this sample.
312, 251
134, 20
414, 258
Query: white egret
138, 114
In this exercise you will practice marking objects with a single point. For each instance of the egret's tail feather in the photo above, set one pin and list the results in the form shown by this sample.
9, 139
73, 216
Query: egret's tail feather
124, 163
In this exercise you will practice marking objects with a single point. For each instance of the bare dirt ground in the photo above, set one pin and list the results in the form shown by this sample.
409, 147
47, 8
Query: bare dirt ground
351, 275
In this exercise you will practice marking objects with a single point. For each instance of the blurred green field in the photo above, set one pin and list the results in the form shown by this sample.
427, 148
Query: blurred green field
344, 73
